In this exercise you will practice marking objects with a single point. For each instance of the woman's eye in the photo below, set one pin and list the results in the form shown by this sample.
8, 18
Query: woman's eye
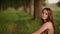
43, 13
46, 14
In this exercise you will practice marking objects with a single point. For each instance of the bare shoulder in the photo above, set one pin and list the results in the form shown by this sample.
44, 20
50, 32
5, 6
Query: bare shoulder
49, 24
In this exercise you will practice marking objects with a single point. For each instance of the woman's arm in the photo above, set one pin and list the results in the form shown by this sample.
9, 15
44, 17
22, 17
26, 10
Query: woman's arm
42, 29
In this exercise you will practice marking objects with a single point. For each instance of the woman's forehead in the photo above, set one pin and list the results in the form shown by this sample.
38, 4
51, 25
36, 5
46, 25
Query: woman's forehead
45, 11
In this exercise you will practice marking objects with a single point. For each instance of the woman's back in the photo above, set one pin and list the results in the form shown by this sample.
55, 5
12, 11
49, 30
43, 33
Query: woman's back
50, 29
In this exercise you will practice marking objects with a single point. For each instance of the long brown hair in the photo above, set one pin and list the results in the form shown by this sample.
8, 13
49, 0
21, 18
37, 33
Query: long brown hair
50, 16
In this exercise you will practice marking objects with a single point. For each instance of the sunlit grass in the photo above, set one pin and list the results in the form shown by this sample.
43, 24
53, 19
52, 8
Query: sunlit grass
12, 21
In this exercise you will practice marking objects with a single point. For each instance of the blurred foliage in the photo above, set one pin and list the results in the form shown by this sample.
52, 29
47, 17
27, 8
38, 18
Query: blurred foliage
58, 4
43, 3
15, 21
4, 4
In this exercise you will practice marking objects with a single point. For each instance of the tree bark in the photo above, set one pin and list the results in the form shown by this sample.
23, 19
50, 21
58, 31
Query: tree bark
37, 9
24, 6
30, 6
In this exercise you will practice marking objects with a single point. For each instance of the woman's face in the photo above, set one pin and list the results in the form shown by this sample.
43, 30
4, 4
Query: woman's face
44, 14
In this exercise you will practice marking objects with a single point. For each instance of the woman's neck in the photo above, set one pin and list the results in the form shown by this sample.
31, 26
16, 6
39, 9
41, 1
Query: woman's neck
44, 21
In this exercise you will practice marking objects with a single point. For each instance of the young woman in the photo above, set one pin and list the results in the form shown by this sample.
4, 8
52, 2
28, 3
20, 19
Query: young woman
48, 23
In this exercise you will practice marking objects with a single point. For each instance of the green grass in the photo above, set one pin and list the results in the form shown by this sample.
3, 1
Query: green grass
57, 20
15, 21
12, 21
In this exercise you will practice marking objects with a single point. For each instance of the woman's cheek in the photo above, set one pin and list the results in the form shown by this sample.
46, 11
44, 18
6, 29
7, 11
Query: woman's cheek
46, 17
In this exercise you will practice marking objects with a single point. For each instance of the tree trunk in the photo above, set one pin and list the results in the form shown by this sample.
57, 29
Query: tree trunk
24, 6
37, 9
30, 6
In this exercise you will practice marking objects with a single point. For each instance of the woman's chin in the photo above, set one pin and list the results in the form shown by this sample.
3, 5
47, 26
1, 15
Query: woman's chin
44, 19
